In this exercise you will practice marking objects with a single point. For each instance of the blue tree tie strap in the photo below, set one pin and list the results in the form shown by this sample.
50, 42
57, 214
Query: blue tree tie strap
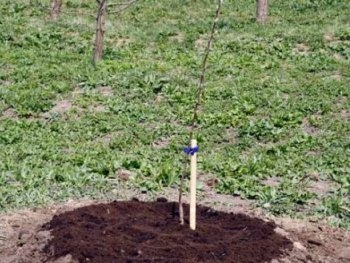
191, 150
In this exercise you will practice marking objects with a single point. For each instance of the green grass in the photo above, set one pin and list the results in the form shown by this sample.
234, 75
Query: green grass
276, 103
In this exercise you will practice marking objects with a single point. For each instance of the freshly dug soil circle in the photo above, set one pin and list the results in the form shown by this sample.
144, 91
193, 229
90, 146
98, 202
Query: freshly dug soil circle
132, 231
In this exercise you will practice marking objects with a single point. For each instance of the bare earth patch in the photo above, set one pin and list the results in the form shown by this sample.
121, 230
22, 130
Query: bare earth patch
301, 49
179, 38
321, 187
161, 143
97, 108
9, 114
272, 181
231, 135
329, 37
336, 76
345, 114
67, 105
200, 43
23, 238
309, 129
338, 57
107, 138
62, 106
342, 112
106, 91
120, 42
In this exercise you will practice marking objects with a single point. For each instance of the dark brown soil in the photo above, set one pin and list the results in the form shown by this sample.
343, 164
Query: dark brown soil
132, 231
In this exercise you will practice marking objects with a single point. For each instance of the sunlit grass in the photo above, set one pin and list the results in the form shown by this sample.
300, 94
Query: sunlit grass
276, 103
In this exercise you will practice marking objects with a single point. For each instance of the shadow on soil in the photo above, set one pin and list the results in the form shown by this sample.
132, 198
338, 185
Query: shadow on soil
133, 231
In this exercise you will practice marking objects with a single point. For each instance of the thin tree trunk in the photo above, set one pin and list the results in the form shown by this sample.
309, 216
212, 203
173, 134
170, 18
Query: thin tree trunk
261, 10
197, 105
100, 30
55, 9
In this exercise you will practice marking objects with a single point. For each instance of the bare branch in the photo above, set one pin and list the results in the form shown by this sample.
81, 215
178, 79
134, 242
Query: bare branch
75, 13
200, 91
119, 4
204, 67
125, 6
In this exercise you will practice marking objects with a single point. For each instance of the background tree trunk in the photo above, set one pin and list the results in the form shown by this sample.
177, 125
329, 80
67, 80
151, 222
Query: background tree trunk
261, 10
55, 9
100, 30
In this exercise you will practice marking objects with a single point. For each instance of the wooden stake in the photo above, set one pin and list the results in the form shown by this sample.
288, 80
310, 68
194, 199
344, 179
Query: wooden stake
193, 186
195, 116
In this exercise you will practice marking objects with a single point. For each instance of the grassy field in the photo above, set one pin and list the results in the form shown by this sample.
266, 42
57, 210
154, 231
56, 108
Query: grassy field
274, 126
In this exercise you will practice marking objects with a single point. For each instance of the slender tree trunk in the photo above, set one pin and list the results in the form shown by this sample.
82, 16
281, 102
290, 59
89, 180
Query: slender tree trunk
100, 30
261, 10
55, 9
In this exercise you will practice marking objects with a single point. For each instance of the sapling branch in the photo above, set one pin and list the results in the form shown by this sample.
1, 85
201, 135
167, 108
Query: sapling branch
198, 101
74, 12
122, 4
125, 6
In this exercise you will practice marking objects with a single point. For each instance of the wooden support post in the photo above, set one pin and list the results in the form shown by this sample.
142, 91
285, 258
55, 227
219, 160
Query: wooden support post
193, 187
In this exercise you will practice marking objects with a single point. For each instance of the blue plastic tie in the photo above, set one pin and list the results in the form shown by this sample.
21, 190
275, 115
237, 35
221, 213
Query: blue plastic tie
191, 150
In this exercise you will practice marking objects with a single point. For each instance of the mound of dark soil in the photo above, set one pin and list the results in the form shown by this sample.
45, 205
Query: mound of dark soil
149, 232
